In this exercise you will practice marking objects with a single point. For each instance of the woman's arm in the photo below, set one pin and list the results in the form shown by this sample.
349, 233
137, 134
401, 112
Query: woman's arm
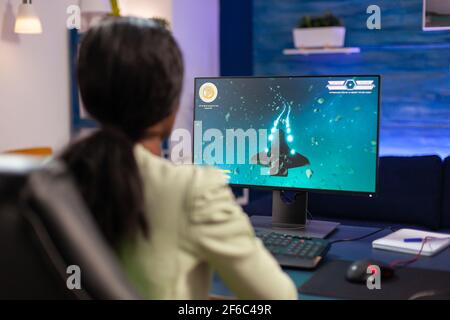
226, 240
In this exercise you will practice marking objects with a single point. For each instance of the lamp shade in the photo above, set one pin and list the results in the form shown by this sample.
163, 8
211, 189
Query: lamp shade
95, 6
27, 21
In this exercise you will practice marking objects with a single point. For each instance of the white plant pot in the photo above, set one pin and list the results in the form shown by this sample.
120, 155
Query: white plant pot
325, 37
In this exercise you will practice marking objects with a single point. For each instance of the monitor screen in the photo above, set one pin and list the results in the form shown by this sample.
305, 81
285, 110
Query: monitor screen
309, 133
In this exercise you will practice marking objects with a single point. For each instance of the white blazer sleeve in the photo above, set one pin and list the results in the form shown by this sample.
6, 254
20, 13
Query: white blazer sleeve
225, 239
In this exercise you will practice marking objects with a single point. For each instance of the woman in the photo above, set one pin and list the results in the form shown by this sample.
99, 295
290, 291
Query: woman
171, 226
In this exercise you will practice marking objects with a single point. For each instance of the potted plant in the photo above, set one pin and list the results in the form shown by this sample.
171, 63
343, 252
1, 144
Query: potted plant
324, 31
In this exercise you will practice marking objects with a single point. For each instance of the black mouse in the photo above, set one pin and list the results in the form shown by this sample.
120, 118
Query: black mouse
357, 271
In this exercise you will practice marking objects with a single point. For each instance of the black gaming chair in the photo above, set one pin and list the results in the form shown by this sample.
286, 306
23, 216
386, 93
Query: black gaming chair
44, 228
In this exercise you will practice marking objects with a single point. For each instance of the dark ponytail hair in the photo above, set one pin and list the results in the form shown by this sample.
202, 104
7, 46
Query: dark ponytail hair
130, 73
107, 176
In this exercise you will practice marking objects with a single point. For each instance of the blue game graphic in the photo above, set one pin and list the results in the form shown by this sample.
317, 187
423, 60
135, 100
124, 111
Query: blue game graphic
326, 129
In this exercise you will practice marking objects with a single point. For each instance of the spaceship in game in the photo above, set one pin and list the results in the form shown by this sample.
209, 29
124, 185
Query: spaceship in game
279, 140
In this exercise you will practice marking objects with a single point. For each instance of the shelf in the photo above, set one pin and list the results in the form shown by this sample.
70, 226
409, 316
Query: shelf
383, 47
308, 51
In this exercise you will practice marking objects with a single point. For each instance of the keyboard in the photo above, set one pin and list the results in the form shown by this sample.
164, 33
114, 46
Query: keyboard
293, 251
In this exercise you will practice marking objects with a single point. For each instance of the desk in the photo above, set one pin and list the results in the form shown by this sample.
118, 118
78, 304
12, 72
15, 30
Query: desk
355, 250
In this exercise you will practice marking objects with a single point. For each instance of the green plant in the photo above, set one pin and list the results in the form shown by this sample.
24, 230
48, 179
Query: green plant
326, 20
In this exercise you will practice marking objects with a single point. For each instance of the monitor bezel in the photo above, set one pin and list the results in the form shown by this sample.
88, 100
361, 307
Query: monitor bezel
295, 189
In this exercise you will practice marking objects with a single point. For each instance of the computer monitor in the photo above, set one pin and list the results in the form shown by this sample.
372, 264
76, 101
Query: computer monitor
308, 133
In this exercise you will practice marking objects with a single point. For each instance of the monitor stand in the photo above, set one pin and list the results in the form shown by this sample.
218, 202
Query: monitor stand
290, 217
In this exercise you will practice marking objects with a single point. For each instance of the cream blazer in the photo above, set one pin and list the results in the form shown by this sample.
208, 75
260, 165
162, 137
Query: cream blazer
196, 228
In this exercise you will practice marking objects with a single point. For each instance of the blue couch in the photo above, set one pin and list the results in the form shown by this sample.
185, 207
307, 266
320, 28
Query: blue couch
413, 191
445, 218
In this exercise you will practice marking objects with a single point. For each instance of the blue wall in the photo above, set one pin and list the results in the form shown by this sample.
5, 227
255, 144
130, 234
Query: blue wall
236, 38
415, 65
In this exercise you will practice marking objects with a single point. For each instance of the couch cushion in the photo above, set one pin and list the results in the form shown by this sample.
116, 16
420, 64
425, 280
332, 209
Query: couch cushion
410, 192
446, 195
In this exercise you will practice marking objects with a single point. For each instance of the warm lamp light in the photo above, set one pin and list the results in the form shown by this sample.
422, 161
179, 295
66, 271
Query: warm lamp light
27, 21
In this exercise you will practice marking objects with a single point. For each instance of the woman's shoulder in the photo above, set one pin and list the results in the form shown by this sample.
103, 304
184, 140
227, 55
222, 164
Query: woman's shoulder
192, 178
201, 192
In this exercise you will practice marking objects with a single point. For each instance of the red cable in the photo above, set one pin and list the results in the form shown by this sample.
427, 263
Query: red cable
406, 262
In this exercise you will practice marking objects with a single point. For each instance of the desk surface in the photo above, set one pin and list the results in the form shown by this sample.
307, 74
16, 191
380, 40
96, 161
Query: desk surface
355, 250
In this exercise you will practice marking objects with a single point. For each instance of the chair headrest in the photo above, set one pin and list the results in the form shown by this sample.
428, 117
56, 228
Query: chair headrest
65, 228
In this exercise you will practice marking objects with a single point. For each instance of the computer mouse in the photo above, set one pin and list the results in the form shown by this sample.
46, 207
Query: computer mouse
357, 271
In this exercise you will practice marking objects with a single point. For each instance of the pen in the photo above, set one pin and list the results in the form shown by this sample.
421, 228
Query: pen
423, 239
413, 239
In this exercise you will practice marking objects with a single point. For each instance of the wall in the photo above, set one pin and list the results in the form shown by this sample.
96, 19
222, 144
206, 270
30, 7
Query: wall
34, 73
415, 65
196, 27
236, 38
34, 88
147, 8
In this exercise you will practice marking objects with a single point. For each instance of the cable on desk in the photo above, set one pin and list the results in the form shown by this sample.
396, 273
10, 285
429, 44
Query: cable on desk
361, 237
396, 263
405, 262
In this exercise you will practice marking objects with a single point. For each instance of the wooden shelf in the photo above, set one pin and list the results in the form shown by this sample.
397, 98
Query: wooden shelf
308, 51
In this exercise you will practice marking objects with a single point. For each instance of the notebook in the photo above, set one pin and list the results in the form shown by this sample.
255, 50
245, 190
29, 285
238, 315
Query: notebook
395, 242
